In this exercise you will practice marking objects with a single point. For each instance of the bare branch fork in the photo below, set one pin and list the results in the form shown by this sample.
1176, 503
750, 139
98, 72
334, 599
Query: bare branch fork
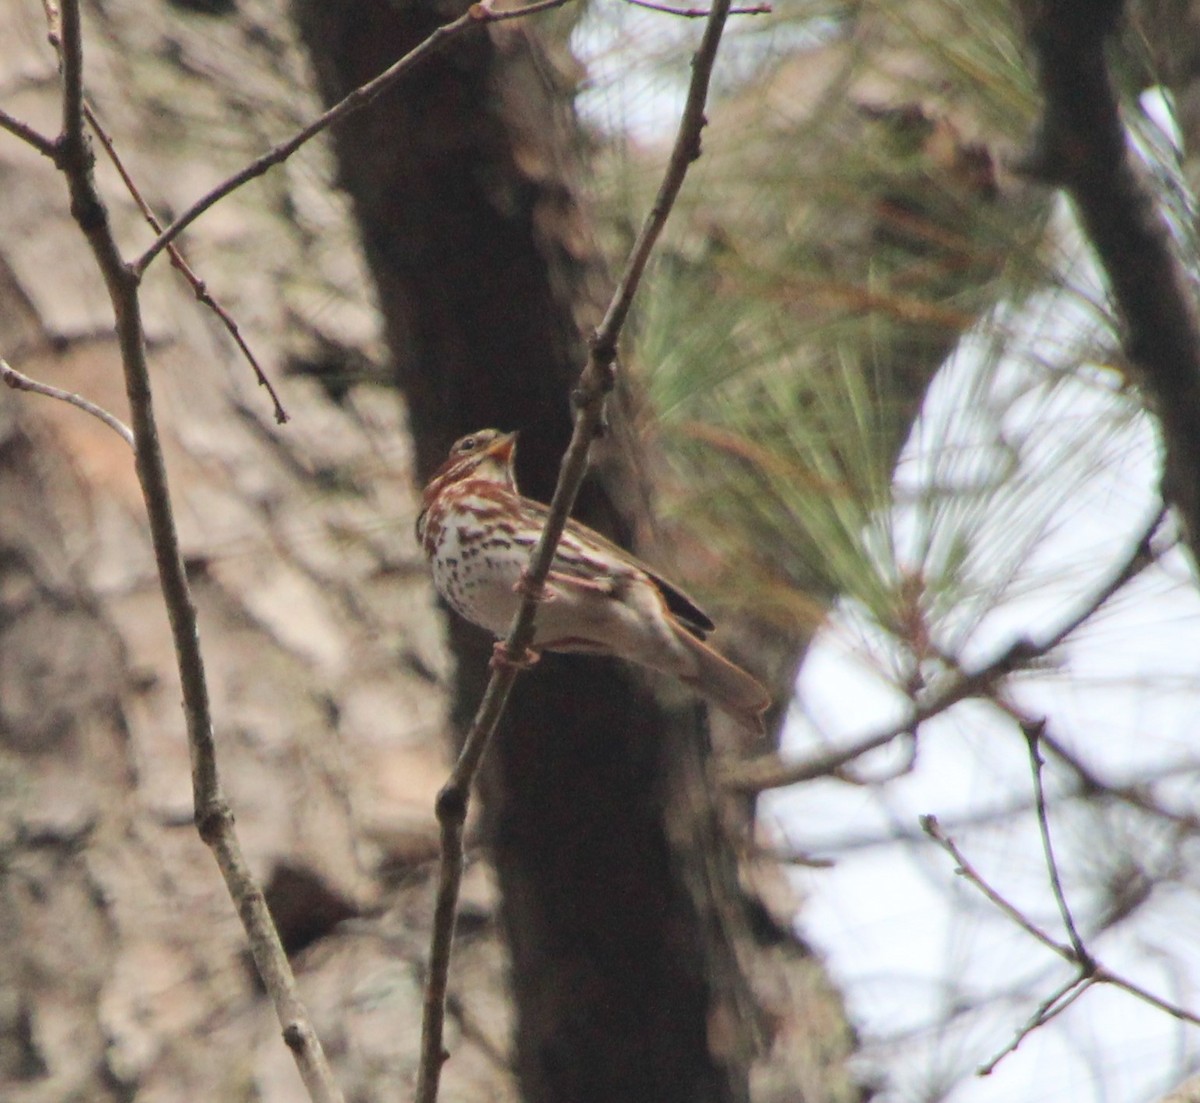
1088, 969
199, 289
595, 382
475, 16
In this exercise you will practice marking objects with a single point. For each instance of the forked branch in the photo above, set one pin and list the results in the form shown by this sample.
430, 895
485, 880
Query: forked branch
199, 289
1088, 971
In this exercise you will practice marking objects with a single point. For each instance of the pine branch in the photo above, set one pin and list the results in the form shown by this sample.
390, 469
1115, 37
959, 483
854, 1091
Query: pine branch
1081, 146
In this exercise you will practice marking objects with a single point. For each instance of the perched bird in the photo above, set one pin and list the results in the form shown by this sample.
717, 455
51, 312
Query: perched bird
477, 531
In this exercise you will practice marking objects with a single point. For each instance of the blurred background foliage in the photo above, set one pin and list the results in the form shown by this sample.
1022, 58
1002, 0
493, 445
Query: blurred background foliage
855, 225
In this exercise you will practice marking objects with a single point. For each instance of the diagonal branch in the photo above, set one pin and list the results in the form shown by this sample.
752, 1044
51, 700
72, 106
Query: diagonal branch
199, 289
931, 827
1032, 730
771, 772
476, 15
45, 146
697, 13
1051, 1007
19, 381
595, 382
1081, 146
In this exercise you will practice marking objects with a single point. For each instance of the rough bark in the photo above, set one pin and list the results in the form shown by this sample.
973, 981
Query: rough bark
124, 973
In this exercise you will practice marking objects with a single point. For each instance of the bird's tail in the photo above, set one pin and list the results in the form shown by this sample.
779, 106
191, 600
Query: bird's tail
723, 683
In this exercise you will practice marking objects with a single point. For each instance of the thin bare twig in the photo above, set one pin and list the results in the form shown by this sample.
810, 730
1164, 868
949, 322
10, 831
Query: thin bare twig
1146, 996
213, 817
1032, 732
475, 16
1088, 970
45, 146
595, 382
771, 772
697, 13
18, 381
1051, 1007
1134, 792
931, 827
199, 288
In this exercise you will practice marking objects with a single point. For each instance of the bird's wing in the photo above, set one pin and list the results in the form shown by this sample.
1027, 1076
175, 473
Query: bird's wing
583, 550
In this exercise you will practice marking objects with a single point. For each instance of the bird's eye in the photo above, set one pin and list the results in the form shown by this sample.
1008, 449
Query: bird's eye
467, 444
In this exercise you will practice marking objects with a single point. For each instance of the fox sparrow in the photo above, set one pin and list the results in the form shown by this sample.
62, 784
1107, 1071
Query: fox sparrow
477, 531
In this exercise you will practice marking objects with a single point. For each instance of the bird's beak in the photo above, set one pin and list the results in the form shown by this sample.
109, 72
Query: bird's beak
504, 447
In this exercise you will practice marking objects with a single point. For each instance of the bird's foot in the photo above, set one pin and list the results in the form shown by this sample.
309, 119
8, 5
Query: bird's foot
502, 660
526, 588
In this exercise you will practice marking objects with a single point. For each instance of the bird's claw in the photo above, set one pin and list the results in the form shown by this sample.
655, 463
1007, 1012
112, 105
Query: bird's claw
526, 588
501, 659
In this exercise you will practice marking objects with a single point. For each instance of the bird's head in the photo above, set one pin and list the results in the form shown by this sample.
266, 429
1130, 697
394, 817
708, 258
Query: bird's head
486, 454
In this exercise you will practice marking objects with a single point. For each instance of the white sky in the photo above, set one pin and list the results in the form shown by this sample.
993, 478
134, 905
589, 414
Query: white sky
909, 940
